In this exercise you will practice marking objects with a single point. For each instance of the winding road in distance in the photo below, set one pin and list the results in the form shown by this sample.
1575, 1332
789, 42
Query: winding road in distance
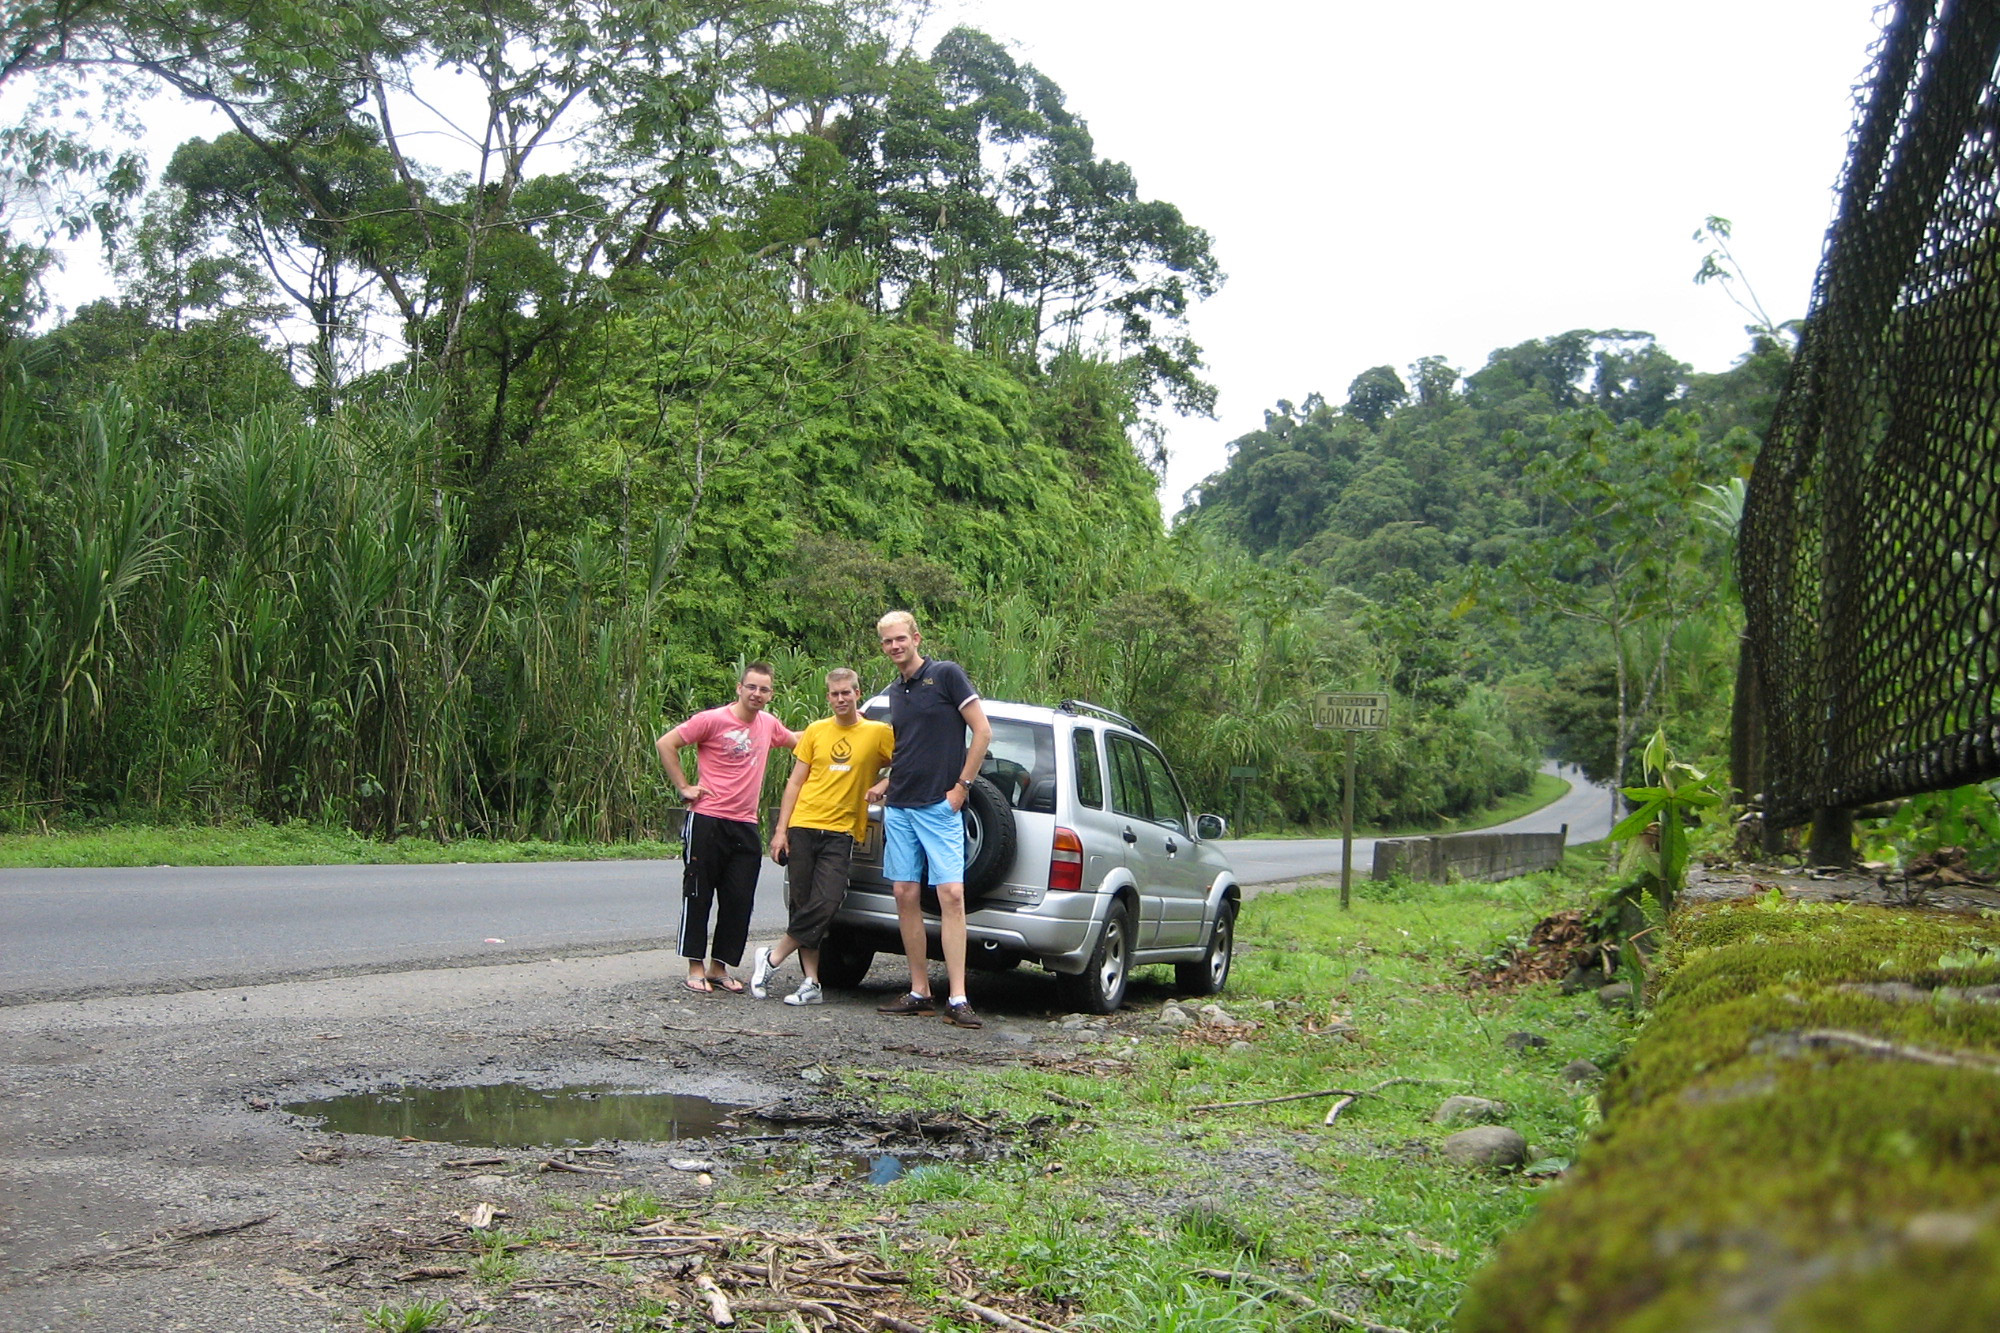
71, 933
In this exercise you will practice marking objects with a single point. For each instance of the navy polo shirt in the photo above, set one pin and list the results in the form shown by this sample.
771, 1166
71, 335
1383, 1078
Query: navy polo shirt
930, 732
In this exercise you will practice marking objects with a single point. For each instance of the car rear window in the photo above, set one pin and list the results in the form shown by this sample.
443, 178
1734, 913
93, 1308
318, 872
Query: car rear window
1021, 762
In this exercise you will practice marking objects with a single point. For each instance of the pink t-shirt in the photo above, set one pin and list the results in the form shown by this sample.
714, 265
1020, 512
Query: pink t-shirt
731, 755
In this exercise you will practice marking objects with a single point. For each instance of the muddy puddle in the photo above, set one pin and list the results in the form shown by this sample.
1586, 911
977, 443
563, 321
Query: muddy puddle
778, 1139
510, 1115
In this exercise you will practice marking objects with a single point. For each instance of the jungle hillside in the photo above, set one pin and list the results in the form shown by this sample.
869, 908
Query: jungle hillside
413, 485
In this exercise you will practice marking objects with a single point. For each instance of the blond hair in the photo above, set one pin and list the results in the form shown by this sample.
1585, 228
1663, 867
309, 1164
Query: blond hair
896, 618
843, 676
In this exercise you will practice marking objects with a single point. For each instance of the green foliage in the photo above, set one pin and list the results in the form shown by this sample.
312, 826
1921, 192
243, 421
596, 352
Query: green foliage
1657, 822
1559, 527
1154, 1199
1965, 817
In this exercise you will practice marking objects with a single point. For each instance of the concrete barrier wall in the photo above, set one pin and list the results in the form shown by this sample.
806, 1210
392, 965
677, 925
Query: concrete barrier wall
1469, 856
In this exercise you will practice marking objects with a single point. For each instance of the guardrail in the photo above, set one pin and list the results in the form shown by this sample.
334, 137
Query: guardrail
1469, 856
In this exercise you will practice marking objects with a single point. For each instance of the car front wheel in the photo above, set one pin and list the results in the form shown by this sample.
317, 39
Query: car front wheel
1100, 987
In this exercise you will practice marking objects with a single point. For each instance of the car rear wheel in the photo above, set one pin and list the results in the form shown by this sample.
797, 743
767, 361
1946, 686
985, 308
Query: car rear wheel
1100, 987
1210, 973
843, 963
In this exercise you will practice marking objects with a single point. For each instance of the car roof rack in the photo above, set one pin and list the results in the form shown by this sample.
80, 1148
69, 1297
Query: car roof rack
1082, 706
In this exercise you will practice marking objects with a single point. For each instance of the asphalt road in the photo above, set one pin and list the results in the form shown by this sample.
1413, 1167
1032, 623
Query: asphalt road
67, 933
1584, 809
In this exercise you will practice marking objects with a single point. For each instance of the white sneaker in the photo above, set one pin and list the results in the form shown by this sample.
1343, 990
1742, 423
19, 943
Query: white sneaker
760, 974
807, 993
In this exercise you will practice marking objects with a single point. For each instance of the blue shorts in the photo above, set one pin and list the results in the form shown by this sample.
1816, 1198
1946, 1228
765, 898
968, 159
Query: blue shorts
940, 832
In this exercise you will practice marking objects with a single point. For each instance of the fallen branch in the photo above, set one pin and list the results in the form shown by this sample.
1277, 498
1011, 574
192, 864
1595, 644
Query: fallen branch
1861, 1041
895, 1325
871, 1287
561, 1284
1271, 1101
575, 1169
718, 1304
706, 1029
1297, 1297
429, 1272
785, 1305
988, 1315
178, 1236
1333, 1112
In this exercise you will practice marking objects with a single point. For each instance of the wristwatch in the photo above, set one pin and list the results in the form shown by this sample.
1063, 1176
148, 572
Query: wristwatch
964, 782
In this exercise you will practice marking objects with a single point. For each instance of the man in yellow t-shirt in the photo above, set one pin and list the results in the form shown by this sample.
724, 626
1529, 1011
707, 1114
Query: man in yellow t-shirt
824, 813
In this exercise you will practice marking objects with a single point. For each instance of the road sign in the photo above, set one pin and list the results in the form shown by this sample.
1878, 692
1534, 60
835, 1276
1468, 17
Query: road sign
1241, 772
1350, 712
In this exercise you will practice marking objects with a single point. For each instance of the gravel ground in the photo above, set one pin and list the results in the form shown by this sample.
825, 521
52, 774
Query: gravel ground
152, 1180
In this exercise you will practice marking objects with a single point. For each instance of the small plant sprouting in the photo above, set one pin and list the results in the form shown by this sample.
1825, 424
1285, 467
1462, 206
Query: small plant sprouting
1675, 790
410, 1317
497, 1263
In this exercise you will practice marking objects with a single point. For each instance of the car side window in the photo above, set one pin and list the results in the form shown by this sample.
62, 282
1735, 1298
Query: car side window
1168, 807
1128, 780
1089, 774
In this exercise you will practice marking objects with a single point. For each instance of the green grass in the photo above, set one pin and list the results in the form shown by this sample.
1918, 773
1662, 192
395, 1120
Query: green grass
1544, 789
1118, 1215
293, 844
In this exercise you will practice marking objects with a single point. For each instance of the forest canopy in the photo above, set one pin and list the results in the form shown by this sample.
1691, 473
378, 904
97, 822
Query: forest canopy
501, 378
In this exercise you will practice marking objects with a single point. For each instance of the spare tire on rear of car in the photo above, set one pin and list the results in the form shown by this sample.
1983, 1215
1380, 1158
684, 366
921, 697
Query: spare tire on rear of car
989, 843
989, 836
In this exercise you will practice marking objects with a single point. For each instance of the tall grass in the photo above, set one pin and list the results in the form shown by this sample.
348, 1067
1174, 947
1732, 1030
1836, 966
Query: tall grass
280, 622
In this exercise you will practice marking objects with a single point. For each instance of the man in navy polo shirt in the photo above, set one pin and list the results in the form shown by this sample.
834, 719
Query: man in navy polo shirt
931, 707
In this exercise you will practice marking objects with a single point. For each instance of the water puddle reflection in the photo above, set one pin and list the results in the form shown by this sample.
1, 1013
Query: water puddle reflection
508, 1115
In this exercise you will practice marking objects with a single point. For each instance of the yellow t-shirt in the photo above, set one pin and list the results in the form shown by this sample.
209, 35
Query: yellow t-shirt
845, 762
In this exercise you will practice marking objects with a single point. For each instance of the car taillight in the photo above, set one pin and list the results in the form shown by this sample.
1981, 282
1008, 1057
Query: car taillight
1066, 861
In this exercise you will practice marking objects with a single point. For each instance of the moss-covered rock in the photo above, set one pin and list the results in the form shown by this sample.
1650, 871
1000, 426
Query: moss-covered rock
1792, 1144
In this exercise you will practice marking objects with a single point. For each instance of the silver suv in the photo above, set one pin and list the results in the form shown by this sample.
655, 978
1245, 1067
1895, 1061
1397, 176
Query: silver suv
1082, 856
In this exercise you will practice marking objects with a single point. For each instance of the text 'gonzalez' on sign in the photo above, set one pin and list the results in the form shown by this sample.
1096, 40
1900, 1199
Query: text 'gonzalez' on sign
1350, 712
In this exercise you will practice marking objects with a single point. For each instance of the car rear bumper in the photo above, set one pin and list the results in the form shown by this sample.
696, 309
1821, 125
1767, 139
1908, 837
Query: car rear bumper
1056, 933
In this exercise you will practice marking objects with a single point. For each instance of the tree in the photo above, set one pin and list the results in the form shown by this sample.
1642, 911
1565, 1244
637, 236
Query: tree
1374, 394
494, 268
1627, 553
1171, 643
1435, 379
980, 197
306, 241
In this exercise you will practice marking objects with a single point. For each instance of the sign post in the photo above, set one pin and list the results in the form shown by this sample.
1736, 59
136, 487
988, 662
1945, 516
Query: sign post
1349, 713
1241, 776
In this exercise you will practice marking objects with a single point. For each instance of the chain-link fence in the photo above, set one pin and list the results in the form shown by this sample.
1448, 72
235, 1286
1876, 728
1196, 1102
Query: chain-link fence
1870, 548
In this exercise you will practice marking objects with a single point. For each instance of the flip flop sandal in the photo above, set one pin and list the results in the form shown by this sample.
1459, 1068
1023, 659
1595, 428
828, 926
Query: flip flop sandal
730, 984
698, 987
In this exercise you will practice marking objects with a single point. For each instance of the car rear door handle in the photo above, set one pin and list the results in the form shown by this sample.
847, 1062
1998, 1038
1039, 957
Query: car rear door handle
1130, 836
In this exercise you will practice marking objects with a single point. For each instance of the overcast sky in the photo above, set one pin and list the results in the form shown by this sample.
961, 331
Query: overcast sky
1385, 182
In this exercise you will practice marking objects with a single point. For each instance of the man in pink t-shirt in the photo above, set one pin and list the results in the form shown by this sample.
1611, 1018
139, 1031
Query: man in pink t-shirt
719, 841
